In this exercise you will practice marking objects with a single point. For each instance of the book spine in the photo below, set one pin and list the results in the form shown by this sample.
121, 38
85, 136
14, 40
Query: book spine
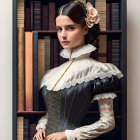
35, 71
102, 51
115, 17
45, 19
28, 71
20, 128
32, 14
101, 6
51, 15
116, 52
47, 53
108, 16
32, 131
26, 129
20, 68
109, 51
20, 13
37, 15
56, 52
41, 59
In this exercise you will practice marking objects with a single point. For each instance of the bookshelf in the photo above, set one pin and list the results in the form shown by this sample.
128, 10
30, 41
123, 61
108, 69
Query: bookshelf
121, 119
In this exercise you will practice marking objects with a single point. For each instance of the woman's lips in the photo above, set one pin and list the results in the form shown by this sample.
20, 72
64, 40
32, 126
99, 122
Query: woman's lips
65, 42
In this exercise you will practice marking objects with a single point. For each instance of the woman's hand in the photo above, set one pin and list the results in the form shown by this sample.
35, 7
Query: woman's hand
39, 135
57, 136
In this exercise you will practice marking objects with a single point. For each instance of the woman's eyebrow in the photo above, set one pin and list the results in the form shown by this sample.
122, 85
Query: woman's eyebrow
67, 25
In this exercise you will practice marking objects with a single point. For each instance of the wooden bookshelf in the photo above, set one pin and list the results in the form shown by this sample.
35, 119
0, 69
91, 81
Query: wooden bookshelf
123, 66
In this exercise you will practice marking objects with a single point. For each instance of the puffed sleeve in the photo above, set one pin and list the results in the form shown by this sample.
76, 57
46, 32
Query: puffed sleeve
104, 88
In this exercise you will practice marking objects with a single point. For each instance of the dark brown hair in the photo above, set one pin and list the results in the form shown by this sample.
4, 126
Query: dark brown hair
77, 13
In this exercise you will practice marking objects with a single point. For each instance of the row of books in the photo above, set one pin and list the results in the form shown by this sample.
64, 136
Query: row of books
37, 55
39, 15
25, 129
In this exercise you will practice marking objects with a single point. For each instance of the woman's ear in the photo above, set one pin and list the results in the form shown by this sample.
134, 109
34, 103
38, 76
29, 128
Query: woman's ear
85, 29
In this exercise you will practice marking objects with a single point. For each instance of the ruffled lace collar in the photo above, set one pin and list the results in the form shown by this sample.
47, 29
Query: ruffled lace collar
82, 51
78, 70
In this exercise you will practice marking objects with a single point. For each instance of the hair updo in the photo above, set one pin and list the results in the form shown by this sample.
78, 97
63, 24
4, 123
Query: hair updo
77, 13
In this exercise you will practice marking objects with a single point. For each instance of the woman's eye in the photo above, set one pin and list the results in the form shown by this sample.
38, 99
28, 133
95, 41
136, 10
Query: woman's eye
58, 29
71, 28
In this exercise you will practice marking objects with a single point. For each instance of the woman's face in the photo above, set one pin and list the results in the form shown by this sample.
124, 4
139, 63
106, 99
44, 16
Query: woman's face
70, 34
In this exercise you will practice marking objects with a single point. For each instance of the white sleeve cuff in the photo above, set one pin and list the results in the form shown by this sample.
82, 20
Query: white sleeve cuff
69, 134
103, 96
41, 125
42, 122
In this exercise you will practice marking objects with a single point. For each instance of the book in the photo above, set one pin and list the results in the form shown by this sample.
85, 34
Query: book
47, 52
51, 15
28, 71
102, 50
115, 16
35, 72
37, 15
108, 16
20, 68
20, 13
100, 5
26, 129
44, 15
27, 21
116, 52
20, 128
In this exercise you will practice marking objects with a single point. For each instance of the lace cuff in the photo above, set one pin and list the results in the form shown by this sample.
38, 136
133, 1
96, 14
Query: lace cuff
42, 122
105, 124
103, 96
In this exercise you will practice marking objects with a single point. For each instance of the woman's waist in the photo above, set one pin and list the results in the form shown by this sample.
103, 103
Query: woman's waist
60, 125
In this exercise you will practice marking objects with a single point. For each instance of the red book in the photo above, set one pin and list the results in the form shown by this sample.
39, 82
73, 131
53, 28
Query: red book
28, 71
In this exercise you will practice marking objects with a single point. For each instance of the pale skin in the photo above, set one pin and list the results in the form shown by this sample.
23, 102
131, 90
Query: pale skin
69, 31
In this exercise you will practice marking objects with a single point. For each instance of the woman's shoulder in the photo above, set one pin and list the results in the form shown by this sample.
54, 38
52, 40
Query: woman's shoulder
102, 69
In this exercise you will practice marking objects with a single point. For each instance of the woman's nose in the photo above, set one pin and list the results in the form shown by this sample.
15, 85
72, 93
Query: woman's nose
64, 34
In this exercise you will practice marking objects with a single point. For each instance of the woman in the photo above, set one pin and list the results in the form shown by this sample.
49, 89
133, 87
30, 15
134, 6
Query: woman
71, 87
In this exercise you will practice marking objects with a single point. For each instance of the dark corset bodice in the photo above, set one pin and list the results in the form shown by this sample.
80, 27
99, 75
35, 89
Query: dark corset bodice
67, 107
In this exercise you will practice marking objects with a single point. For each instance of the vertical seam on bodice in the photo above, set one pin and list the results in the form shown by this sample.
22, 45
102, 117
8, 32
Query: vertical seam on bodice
64, 110
71, 104
80, 111
59, 111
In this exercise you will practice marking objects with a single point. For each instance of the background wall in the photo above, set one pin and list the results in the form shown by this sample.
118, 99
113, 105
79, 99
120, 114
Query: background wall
133, 67
6, 70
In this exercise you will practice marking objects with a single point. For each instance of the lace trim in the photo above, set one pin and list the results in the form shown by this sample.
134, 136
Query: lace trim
88, 48
80, 71
103, 96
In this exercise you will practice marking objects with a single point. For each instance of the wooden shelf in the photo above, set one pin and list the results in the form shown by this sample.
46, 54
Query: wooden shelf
101, 32
30, 112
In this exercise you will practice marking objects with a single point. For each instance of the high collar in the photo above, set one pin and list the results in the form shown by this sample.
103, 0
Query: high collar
80, 52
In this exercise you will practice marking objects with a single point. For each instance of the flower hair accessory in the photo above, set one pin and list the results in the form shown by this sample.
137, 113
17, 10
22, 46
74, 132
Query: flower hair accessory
92, 14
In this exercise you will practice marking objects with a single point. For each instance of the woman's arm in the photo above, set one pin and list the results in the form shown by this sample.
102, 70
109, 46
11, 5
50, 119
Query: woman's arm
105, 124
42, 122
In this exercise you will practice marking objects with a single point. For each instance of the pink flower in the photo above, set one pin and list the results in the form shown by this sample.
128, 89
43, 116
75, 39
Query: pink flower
92, 15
